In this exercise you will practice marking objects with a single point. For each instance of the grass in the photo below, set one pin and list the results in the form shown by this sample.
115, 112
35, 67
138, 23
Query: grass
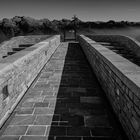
133, 32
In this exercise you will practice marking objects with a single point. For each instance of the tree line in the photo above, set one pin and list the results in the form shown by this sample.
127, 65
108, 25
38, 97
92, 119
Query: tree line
29, 26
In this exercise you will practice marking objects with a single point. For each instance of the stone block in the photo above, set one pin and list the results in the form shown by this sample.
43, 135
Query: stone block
36, 130
35, 138
43, 110
24, 110
23, 120
10, 138
40, 104
57, 131
110, 67
82, 131
18, 72
136, 123
43, 120
15, 130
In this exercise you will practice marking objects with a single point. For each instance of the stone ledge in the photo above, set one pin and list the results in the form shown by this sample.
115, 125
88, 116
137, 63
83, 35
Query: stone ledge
120, 80
124, 69
126, 41
18, 72
7, 46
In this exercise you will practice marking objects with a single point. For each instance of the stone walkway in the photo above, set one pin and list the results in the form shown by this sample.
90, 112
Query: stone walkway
65, 102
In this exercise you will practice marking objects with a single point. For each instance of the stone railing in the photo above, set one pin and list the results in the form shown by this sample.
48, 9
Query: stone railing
18, 71
123, 41
120, 79
7, 46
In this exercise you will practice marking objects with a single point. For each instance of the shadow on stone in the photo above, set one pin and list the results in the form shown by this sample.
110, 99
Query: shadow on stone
82, 110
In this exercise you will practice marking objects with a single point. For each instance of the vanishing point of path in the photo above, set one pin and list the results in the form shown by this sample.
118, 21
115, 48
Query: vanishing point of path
65, 102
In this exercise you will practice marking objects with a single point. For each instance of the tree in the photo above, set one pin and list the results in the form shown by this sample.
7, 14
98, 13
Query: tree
75, 22
8, 27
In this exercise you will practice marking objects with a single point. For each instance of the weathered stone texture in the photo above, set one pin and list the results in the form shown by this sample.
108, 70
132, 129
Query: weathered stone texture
126, 41
17, 75
7, 46
120, 80
70, 107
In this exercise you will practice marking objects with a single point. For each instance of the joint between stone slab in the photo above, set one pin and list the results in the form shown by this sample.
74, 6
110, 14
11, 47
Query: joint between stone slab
46, 130
26, 130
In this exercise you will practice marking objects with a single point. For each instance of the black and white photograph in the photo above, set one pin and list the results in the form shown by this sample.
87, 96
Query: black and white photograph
69, 69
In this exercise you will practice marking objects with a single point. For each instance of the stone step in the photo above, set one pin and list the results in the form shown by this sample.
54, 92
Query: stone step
10, 53
18, 49
4, 56
25, 45
104, 43
69, 106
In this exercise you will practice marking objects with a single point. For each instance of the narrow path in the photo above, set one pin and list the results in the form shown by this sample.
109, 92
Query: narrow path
65, 102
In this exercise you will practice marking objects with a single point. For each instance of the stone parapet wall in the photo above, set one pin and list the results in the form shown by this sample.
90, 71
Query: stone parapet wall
120, 79
123, 41
18, 71
14, 42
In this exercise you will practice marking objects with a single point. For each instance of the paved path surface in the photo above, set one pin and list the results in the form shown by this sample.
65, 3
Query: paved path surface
65, 102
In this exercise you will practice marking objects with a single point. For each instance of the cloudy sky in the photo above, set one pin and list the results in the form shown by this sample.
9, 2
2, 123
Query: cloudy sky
87, 10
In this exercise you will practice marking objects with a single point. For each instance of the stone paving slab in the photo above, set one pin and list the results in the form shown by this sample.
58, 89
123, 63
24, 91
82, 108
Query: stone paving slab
65, 102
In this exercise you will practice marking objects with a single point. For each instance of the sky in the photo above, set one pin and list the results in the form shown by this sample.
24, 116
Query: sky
86, 10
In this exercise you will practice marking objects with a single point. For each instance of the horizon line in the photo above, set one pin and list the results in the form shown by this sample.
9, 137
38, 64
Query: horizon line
37, 18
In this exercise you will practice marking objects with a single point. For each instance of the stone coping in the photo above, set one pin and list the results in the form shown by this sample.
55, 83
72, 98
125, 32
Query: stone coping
25, 53
6, 46
125, 70
120, 80
19, 70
